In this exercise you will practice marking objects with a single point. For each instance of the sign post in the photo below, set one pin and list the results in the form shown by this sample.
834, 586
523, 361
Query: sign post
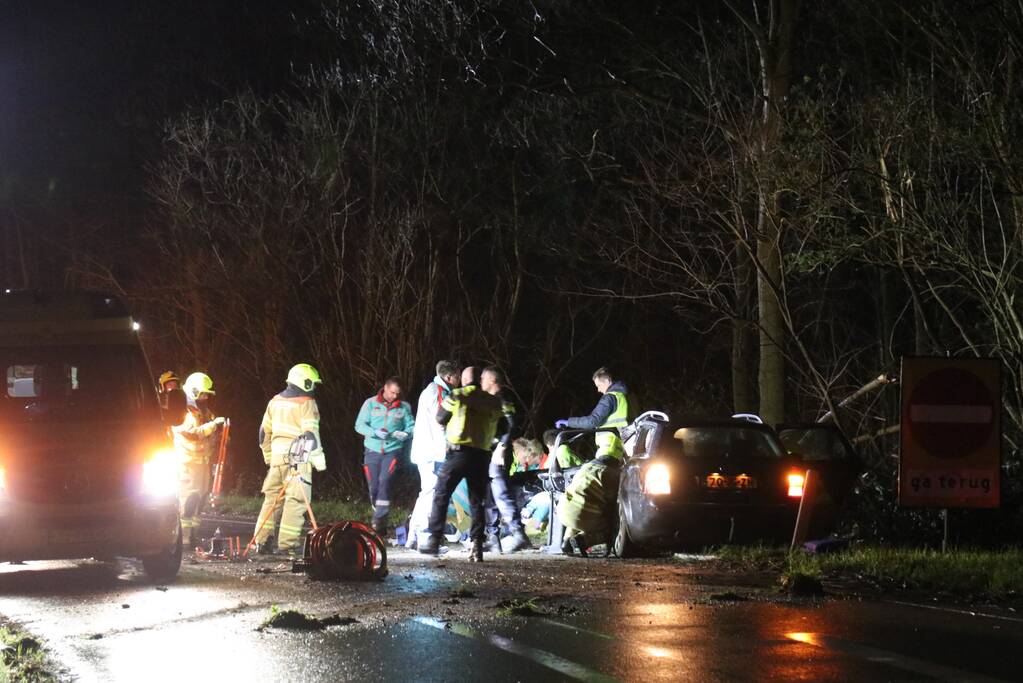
951, 433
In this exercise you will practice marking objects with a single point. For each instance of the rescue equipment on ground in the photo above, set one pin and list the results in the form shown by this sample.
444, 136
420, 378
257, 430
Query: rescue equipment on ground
344, 551
347, 550
221, 548
218, 466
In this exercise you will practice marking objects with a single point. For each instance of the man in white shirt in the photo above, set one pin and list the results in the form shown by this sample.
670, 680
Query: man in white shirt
429, 445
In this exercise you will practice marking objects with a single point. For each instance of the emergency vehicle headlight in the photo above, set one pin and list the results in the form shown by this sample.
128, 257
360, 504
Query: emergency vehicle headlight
657, 480
160, 474
3, 481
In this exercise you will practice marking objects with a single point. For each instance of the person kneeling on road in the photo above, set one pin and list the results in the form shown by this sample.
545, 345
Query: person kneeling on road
589, 504
386, 422
290, 415
503, 505
471, 415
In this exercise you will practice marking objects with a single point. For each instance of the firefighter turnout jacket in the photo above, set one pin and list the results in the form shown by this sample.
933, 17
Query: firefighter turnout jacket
288, 415
193, 438
472, 416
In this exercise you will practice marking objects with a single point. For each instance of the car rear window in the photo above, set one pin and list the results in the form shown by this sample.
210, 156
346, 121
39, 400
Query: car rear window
725, 442
75, 383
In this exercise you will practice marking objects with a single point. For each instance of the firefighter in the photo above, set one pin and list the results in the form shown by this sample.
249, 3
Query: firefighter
386, 423
172, 398
591, 498
290, 415
169, 381
429, 445
195, 441
471, 415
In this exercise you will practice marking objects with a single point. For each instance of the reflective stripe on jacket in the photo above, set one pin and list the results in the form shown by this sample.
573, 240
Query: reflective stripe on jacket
286, 418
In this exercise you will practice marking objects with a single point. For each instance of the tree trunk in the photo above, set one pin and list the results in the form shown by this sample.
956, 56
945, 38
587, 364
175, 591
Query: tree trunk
774, 45
744, 399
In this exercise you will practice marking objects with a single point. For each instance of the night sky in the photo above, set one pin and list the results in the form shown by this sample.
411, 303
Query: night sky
85, 87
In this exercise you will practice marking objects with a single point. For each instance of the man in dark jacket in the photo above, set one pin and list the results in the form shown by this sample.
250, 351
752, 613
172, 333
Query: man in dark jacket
612, 410
592, 498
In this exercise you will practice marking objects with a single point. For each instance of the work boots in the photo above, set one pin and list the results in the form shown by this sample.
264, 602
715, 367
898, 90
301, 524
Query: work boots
476, 552
380, 528
431, 546
494, 543
519, 541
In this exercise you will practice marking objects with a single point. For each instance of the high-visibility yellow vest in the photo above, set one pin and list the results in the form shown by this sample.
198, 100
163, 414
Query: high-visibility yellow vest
609, 443
474, 416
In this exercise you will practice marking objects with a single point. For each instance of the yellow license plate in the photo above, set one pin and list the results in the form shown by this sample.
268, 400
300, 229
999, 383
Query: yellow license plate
744, 481
720, 481
716, 481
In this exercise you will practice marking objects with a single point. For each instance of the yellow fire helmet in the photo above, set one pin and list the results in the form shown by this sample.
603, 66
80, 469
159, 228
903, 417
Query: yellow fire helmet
169, 376
198, 383
304, 376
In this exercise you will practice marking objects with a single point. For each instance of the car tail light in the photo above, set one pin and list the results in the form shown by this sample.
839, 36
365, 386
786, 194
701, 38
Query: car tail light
796, 482
657, 479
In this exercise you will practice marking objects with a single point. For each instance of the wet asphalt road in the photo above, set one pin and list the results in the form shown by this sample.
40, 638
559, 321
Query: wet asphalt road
645, 621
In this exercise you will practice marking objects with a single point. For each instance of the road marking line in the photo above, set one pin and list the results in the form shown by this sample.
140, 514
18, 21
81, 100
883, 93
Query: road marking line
541, 657
952, 610
871, 654
652, 650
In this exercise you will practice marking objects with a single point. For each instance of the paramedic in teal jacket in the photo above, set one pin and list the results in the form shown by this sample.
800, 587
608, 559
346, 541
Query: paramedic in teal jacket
386, 422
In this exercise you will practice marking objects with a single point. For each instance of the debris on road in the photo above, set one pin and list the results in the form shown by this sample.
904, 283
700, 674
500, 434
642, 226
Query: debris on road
297, 621
518, 607
802, 585
729, 596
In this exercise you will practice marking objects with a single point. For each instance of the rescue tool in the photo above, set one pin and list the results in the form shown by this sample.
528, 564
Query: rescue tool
218, 466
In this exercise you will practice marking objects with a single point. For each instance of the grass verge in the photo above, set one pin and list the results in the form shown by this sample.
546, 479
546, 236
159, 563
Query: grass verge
963, 573
23, 658
326, 510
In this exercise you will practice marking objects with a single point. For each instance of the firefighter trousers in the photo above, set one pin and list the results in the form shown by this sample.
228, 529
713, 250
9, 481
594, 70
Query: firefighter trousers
290, 512
193, 491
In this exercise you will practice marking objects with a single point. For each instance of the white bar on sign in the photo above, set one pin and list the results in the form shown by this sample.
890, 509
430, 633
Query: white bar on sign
960, 414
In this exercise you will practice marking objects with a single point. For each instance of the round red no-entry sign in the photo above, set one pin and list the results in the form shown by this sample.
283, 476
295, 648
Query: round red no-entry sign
951, 413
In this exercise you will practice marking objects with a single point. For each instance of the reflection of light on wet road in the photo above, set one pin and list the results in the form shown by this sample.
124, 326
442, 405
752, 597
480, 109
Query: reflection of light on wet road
878, 656
542, 657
